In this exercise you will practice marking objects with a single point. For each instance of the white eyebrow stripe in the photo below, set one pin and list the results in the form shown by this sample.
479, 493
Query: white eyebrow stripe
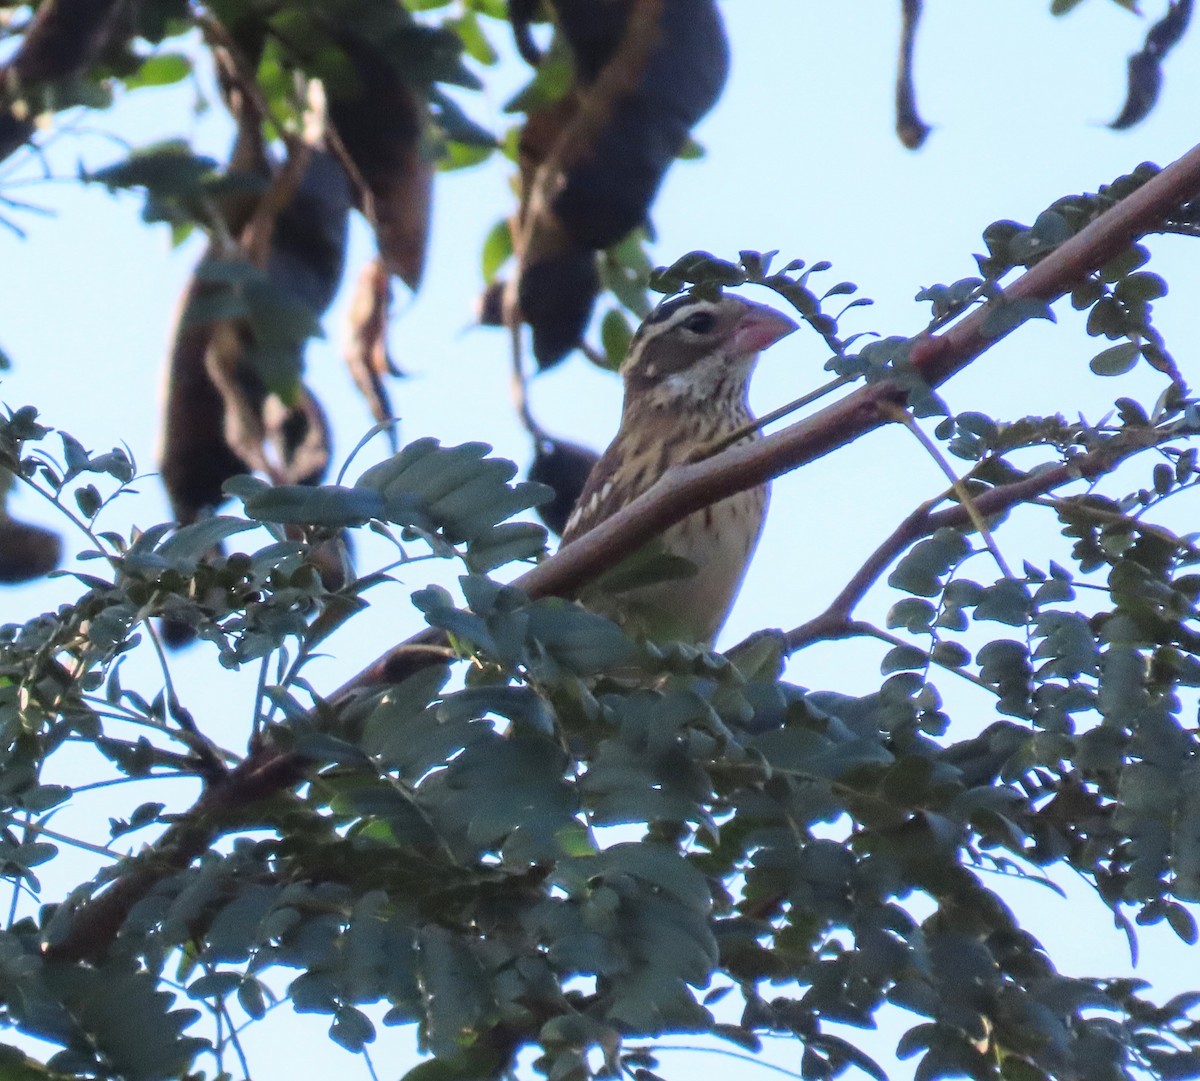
650, 329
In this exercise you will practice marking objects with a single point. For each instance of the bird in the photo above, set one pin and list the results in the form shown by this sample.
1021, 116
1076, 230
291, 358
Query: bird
686, 379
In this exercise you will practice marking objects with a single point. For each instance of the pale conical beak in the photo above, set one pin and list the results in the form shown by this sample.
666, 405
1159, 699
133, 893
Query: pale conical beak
760, 327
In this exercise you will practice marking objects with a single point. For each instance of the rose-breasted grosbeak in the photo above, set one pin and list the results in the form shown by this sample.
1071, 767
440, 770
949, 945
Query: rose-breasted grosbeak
686, 376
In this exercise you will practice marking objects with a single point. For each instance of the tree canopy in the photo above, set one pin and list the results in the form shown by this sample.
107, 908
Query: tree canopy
541, 843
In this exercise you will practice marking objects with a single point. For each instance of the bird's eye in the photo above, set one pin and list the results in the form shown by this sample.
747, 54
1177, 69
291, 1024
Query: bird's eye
700, 322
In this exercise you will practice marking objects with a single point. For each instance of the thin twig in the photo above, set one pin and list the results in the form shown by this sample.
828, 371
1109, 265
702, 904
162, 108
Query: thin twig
1071, 505
519, 383
209, 764
835, 621
905, 417
778, 413
925, 521
36, 830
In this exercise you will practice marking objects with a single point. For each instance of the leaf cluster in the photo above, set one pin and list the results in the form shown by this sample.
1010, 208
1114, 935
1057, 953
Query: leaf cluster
583, 842
532, 830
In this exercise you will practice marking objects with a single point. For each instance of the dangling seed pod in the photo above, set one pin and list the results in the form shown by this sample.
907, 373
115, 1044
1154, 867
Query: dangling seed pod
592, 161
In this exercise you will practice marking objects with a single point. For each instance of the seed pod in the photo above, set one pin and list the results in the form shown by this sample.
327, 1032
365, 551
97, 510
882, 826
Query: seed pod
365, 348
299, 434
1145, 75
564, 467
308, 248
380, 127
556, 295
26, 551
609, 191
307, 254
593, 160
63, 41
194, 458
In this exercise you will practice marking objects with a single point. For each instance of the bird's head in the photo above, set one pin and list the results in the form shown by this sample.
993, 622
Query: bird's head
693, 349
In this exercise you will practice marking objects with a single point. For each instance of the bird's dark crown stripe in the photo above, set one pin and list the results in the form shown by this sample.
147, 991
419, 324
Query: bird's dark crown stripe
667, 308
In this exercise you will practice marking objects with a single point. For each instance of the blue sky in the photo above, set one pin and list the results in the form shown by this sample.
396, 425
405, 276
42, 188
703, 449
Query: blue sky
800, 157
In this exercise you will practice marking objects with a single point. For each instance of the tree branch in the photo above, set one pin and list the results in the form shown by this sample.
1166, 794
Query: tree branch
837, 620
937, 358
682, 491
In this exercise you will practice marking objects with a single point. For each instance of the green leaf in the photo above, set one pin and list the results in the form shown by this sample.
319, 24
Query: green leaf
455, 987
1106, 319
699, 268
457, 491
497, 250
351, 1028
1008, 601
921, 569
277, 316
625, 271
1049, 230
950, 654
89, 500
902, 659
581, 641
1004, 664
404, 733
15, 1065
1140, 287
1068, 648
1116, 360
552, 80
167, 168
1005, 315
475, 42
456, 155
628, 785
127, 1019
252, 998
663, 868
507, 794
161, 69
326, 504
234, 930
913, 614
523, 705
1183, 923
615, 336
214, 985
440, 611
506, 543
190, 542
